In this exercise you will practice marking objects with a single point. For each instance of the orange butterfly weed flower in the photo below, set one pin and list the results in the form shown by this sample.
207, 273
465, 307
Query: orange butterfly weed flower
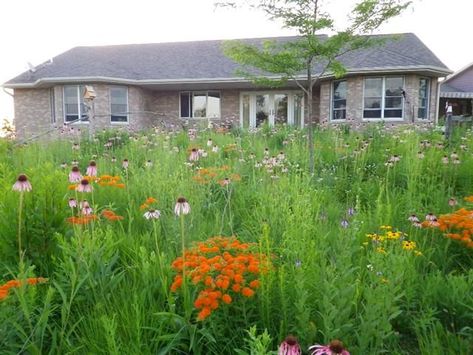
220, 268
458, 225
5, 288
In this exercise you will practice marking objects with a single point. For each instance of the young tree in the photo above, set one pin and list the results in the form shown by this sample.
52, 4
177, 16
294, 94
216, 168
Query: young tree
305, 59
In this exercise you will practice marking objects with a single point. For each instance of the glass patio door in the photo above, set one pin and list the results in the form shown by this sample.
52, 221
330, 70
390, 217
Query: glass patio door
273, 108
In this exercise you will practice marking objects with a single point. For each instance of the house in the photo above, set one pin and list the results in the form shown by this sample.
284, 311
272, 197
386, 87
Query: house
142, 85
457, 90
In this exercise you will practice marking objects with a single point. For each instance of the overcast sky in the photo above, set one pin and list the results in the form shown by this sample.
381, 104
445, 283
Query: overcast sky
37, 30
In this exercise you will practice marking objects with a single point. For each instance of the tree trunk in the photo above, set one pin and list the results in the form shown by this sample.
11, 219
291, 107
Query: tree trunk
310, 125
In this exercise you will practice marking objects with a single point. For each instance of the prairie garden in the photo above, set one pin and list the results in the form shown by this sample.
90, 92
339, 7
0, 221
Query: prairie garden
205, 242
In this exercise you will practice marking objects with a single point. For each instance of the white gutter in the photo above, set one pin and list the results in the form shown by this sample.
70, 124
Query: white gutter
6, 92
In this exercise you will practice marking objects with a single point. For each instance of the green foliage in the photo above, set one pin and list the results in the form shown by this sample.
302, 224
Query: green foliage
108, 288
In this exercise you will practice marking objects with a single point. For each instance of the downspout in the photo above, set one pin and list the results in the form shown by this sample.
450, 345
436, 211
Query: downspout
437, 108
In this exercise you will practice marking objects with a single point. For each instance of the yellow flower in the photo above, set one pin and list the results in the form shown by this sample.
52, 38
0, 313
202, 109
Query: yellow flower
408, 245
417, 253
381, 250
385, 227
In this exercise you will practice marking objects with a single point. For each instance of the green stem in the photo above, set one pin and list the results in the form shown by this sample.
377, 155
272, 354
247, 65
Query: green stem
184, 282
20, 209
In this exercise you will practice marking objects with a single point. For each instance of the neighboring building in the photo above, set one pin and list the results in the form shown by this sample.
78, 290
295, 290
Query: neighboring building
457, 89
143, 85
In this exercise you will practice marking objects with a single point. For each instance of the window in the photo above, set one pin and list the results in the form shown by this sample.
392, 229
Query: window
383, 98
339, 100
119, 105
422, 111
200, 104
74, 104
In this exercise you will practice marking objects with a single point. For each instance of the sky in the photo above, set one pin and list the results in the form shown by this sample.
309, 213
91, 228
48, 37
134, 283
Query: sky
33, 31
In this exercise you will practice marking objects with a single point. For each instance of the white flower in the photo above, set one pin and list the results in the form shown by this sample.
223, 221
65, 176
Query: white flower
152, 214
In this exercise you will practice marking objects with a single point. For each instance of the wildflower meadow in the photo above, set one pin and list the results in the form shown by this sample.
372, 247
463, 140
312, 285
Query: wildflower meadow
222, 242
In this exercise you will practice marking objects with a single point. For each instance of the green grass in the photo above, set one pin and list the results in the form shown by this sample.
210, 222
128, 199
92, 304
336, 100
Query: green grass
108, 289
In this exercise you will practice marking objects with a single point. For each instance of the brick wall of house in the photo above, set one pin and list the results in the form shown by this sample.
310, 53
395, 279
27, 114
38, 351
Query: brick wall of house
32, 112
355, 86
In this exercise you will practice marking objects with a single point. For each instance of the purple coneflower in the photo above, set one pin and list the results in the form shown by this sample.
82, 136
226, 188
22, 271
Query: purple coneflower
452, 202
22, 184
413, 218
74, 175
84, 186
114, 159
63, 165
194, 155
125, 164
266, 151
420, 155
430, 217
456, 161
289, 346
92, 168
152, 214
215, 149
85, 208
72, 203
335, 347
209, 142
149, 163
445, 159
182, 207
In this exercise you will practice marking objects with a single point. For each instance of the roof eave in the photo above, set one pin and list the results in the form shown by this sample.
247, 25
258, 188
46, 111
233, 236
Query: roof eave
47, 82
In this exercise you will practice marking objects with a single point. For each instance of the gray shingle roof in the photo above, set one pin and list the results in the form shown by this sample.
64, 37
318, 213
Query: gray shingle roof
204, 60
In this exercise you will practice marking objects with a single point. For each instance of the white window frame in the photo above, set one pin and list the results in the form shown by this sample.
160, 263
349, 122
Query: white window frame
427, 100
127, 105
383, 99
332, 106
191, 112
79, 111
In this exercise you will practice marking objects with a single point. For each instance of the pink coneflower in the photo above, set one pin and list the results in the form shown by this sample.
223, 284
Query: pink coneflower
420, 155
22, 184
266, 152
194, 155
290, 346
92, 168
72, 203
152, 214
456, 161
209, 142
215, 149
74, 175
149, 163
74, 162
114, 160
85, 208
84, 186
452, 202
445, 159
63, 165
125, 164
335, 347
454, 155
75, 146
413, 218
182, 207
430, 217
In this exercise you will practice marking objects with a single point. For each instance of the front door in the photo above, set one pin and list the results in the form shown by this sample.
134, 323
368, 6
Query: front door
273, 108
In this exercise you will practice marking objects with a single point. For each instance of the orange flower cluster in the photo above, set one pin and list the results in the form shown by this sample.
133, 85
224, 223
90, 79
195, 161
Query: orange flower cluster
5, 288
459, 226
469, 198
107, 180
111, 216
81, 220
104, 180
207, 175
145, 205
222, 267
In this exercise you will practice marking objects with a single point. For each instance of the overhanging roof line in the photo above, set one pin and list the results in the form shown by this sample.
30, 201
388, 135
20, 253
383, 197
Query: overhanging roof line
368, 70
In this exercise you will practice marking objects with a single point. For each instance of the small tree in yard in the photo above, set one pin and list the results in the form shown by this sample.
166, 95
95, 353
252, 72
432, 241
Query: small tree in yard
273, 64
